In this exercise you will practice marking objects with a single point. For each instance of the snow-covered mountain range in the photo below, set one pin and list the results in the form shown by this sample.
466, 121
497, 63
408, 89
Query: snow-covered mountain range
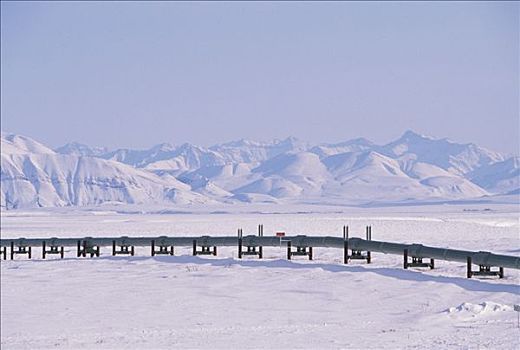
412, 168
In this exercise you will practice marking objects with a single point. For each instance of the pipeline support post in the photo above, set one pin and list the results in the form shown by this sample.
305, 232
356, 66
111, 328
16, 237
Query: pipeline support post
345, 245
4, 252
369, 238
21, 249
204, 248
124, 249
239, 244
79, 251
53, 249
416, 262
252, 248
260, 234
300, 251
357, 254
483, 270
86, 247
164, 249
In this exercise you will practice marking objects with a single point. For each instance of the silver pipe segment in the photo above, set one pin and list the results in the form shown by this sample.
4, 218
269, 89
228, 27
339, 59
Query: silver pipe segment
414, 250
422, 251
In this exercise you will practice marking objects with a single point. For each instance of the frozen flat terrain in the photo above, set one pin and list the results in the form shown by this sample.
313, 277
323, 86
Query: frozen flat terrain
221, 302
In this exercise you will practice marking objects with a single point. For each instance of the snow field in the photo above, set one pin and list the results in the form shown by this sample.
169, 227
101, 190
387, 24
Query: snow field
225, 303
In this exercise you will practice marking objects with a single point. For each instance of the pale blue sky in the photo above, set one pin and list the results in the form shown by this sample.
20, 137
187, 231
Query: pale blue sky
136, 74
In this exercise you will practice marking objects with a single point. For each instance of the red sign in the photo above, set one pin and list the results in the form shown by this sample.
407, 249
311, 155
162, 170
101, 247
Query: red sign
280, 234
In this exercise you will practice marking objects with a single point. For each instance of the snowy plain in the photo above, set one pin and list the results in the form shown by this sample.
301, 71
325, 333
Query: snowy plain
225, 303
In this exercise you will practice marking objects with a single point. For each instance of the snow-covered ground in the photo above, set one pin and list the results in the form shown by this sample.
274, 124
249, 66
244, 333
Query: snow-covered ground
222, 302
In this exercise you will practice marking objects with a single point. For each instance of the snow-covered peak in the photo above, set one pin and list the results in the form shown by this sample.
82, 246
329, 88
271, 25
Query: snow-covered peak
454, 157
292, 144
240, 143
410, 135
360, 141
18, 144
189, 147
354, 145
163, 147
412, 167
142, 158
79, 149
33, 175
248, 151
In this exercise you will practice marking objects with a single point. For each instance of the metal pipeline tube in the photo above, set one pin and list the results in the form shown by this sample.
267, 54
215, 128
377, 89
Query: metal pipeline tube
416, 250
421, 251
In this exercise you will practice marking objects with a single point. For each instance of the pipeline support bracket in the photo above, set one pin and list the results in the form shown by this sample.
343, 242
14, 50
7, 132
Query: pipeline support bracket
416, 261
53, 249
84, 247
300, 251
204, 249
356, 254
483, 270
20, 249
253, 250
164, 249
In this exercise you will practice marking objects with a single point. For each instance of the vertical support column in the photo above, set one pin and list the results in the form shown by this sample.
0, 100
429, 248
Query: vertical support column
96, 251
4, 252
345, 244
152, 245
22, 249
432, 264
288, 250
43, 250
405, 260
240, 243
310, 253
113, 248
469, 272
215, 250
369, 238
85, 246
62, 252
79, 249
260, 234
194, 247
500, 272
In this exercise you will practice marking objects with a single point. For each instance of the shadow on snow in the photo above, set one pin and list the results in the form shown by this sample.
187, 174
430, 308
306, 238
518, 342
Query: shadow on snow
407, 275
